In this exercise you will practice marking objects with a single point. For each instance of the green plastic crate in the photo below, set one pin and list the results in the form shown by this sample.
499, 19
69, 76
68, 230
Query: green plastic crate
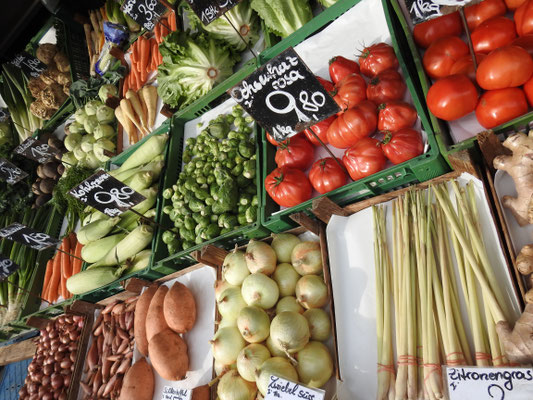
422, 168
441, 129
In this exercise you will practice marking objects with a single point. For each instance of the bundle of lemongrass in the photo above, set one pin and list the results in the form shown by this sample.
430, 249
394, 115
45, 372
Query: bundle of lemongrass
430, 234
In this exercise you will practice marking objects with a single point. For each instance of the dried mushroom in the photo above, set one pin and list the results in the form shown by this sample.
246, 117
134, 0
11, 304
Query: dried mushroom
46, 52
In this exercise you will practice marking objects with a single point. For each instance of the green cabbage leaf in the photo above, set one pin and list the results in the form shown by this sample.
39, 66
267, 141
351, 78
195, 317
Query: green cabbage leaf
283, 17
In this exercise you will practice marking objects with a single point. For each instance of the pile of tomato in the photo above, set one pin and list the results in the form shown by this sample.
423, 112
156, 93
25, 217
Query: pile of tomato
370, 95
501, 88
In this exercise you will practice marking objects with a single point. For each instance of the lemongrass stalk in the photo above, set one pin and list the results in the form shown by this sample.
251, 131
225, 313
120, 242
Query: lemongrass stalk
378, 262
412, 391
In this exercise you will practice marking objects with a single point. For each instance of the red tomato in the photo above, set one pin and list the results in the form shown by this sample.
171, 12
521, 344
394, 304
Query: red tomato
509, 66
429, 31
513, 4
273, 142
326, 175
395, 115
295, 152
353, 125
479, 13
325, 83
288, 187
402, 145
523, 18
364, 158
321, 130
339, 67
493, 33
452, 97
386, 86
350, 91
465, 66
442, 55
526, 42
377, 58
498, 106
528, 89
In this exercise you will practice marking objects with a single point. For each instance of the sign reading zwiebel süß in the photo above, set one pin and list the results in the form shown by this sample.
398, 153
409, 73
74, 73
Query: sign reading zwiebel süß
7, 267
29, 64
35, 150
22, 234
209, 10
144, 12
10, 172
284, 96
422, 10
282, 389
106, 194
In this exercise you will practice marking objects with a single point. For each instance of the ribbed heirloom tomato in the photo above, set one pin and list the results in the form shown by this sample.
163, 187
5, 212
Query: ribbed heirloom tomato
498, 106
465, 65
386, 86
523, 18
326, 175
513, 4
528, 90
479, 13
440, 57
288, 187
325, 83
492, 34
353, 125
377, 58
394, 115
452, 97
402, 145
295, 152
429, 31
364, 158
273, 141
509, 66
321, 130
350, 91
339, 67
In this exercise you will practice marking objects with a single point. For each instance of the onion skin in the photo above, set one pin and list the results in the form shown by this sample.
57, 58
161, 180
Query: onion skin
227, 344
234, 268
289, 331
250, 359
312, 292
232, 387
260, 257
315, 365
289, 303
283, 244
319, 324
286, 277
306, 258
260, 290
231, 303
254, 324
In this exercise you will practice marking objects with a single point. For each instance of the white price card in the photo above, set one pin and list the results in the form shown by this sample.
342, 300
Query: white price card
489, 383
172, 393
279, 388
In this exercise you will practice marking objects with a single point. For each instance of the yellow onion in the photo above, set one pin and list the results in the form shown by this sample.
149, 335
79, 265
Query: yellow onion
226, 345
254, 324
232, 387
250, 359
231, 303
259, 290
289, 331
312, 292
286, 277
221, 369
319, 324
289, 303
234, 268
306, 258
277, 366
283, 244
225, 322
260, 257
274, 349
315, 365
220, 286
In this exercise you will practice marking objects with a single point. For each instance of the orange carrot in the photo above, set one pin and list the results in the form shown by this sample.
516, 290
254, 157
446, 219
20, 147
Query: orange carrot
65, 258
157, 33
101, 43
72, 240
47, 275
135, 51
164, 31
76, 266
172, 21
104, 14
154, 56
136, 80
55, 278
145, 56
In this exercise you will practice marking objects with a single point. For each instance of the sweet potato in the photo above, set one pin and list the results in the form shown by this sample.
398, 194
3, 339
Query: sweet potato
201, 393
179, 308
139, 324
138, 382
155, 319
168, 354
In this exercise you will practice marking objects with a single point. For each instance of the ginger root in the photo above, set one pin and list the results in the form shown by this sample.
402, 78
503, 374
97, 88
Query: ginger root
518, 343
520, 167
524, 260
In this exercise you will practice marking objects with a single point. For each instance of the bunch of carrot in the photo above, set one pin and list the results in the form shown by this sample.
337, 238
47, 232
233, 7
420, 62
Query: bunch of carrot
60, 268
145, 56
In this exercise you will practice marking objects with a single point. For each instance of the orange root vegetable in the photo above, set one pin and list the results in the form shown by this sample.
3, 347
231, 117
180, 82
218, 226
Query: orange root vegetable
77, 263
172, 21
55, 278
127, 125
168, 354
155, 318
179, 308
139, 382
518, 343
127, 111
145, 56
137, 107
139, 323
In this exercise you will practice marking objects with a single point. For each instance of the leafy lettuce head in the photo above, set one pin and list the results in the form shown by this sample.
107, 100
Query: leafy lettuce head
283, 17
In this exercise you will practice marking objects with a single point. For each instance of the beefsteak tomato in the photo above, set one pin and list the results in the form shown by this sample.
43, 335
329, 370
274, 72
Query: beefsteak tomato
402, 145
364, 158
492, 34
465, 65
353, 125
523, 18
376, 58
528, 90
350, 91
325, 84
386, 86
479, 13
321, 130
288, 187
326, 175
509, 66
429, 31
395, 115
273, 142
452, 97
498, 106
513, 4
339, 67
295, 152
443, 53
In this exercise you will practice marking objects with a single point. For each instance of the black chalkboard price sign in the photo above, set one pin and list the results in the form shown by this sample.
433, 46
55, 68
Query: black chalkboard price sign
10, 172
284, 96
209, 10
106, 194
29, 64
144, 12
423, 10
4, 114
28, 237
35, 150
7, 267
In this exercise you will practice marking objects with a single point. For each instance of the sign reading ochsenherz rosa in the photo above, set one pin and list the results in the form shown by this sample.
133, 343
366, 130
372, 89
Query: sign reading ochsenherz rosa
422, 10
171, 393
35, 150
7, 267
10, 172
279, 388
284, 96
106, 194
22, 234
489, 383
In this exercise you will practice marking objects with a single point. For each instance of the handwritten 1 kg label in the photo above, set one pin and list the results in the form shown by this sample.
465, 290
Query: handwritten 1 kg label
489, 383
279, 388
171, 393
144, 12
106, 194
29, 64
284, 96
35, 150
423, 10
28, 237
10, 172
209, 10
7, 267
